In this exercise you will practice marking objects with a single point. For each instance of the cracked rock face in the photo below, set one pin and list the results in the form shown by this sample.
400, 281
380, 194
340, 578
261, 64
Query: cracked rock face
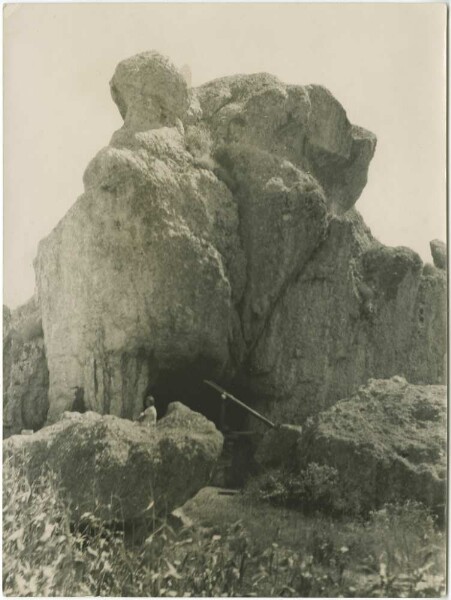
217, 237
358, 310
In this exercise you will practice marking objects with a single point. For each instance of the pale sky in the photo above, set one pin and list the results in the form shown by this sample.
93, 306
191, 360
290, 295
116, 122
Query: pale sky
385, 64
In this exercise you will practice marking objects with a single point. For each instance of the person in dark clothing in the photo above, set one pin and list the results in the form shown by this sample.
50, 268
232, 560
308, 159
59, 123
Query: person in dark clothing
78, 405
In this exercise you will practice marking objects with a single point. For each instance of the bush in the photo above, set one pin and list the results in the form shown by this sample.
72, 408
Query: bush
38, 552
315, 488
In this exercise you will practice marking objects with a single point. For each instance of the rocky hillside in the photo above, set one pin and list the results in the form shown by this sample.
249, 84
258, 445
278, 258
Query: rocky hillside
217, 237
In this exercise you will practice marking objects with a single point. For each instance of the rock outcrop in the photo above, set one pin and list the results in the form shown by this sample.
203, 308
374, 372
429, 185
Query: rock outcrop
388, 443
25, 373
116, 468
217, 237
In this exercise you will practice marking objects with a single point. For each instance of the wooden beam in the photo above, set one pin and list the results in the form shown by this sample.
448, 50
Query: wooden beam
251, 411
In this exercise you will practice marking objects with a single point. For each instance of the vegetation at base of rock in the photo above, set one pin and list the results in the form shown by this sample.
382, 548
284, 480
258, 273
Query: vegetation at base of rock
315, 488
395, 553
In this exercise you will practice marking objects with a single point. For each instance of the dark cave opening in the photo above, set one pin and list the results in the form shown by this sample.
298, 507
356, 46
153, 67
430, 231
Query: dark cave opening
237, 462
188, 386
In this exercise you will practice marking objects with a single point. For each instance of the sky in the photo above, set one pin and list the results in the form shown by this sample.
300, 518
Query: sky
384, 62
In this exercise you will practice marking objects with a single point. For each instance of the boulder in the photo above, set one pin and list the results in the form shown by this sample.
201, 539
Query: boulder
117, 468
149, 92
388, 443
438, 251
25, 372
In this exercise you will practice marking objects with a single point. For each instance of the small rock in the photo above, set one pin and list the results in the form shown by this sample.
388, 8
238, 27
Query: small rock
177, 519
438, 251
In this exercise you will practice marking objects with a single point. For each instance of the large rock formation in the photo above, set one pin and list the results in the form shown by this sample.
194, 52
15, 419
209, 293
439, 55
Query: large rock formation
217, 237
116, 468
388, 443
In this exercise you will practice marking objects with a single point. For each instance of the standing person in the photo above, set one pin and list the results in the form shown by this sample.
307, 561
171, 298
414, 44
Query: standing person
78, 404
149, 414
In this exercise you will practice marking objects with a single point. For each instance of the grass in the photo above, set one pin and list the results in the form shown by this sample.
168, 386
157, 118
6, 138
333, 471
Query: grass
239, 546
397, 551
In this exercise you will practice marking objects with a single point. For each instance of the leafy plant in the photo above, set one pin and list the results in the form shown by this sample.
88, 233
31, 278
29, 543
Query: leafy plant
408, 552
396, 552
315, 488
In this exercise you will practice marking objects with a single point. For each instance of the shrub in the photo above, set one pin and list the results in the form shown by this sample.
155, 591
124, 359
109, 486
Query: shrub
315, 488
38, 553
407, 552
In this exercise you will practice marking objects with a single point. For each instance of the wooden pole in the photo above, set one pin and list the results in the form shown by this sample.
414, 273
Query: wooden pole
253, 412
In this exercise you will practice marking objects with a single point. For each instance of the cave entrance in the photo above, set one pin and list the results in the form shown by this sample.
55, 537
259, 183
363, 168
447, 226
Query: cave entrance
189, 388
237, 462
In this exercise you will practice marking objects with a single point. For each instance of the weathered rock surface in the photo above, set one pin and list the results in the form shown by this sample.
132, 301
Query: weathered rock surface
217, 238
359, 310
388, 442
304, 125
149, 92
438, 251
132, 282
115, 467
25, 373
